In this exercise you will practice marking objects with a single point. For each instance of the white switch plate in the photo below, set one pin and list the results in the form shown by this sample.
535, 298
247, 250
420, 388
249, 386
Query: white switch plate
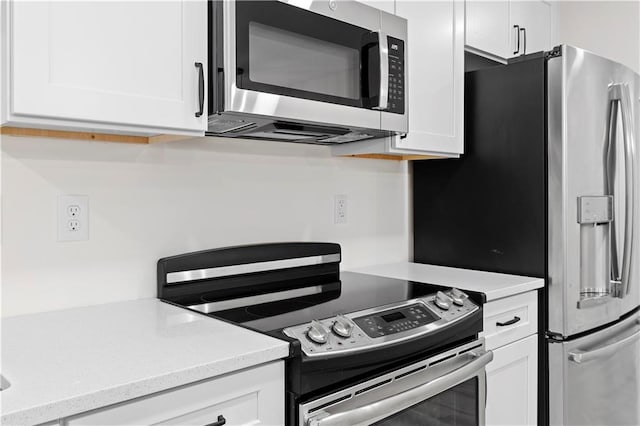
73, 218
340, 209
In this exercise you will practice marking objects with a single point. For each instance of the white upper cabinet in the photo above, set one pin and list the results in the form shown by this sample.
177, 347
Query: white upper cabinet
534, 21
120, 66
501, 30
487, 27
435, 84
386, 5
436, 76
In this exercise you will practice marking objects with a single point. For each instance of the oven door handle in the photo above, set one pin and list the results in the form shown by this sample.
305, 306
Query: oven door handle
396, 403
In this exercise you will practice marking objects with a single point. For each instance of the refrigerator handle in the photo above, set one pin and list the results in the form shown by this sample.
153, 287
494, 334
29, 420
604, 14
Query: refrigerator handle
620, 98
630, 180
579, 356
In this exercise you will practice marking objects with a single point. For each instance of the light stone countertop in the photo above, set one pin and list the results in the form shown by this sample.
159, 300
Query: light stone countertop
67, 362
493, 285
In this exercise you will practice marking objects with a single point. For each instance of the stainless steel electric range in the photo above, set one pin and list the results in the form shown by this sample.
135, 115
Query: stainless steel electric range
363, 349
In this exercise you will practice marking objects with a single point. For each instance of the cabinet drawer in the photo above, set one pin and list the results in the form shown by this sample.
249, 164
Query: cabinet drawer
251, 397
511, 318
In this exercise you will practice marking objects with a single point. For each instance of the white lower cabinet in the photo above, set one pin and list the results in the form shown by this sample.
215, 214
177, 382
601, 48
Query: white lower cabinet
250, 397
510, 331
512, 384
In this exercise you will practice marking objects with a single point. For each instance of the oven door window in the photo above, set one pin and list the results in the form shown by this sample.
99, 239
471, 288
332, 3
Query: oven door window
457, 406
287, 50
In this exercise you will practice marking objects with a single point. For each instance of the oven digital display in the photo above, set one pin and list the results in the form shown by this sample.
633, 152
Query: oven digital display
395, 316
396, 320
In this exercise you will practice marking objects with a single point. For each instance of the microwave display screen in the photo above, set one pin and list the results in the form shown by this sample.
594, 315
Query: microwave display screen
287, 59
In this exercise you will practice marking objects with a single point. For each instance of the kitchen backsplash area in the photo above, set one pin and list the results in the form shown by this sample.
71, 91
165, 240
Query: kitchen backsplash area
151, 201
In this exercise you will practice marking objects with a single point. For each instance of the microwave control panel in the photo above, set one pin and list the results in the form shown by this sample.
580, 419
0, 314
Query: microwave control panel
396, 75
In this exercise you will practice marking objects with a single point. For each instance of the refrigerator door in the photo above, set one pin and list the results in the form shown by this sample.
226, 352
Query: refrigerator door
595, 380
594, 253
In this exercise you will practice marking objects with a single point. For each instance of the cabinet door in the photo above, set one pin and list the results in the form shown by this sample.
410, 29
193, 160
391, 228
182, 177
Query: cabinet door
512, 384
435, 75
125, 63
251, 397
535, 18
487, 27
386, 5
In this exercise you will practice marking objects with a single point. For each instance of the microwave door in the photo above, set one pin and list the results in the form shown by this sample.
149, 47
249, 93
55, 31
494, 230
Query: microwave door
298, 64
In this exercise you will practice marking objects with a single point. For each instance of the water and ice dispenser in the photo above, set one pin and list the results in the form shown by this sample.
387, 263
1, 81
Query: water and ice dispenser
595, 216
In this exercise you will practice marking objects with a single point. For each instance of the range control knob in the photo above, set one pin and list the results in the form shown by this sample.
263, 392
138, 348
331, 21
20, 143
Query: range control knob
343, 327
457, 296
442, 301
317, 332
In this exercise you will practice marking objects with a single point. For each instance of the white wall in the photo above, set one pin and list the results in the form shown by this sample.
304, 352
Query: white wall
608, 28
147, 202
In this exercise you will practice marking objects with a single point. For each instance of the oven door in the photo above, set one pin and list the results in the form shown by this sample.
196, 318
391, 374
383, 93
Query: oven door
313, 61
447, 389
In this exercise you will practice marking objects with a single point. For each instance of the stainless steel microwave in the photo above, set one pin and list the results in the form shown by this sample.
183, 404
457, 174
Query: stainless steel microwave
314, 71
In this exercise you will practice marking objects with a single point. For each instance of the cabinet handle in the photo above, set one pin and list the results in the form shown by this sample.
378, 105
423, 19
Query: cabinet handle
201, 95
510, 322
517, 28
524, 40
221, 421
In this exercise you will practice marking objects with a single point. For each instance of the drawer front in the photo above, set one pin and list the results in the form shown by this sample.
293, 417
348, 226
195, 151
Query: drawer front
509, 319
251, 397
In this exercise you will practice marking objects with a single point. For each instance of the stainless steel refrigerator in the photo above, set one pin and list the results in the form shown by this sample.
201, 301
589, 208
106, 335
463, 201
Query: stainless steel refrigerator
550, 187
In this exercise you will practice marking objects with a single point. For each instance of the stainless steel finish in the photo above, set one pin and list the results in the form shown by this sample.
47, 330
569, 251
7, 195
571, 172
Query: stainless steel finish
343, 326
603, 388
392, 26
630, 183
383, 50
457, 296
524, 40
249, 103
578, 88
443, 300
589, 302
317, 332
579, 356
595, 209
247, 268
517, 28
359, 341
401, 389
210, 307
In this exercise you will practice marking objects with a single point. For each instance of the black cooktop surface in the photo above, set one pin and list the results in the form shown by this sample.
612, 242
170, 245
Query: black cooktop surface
353, 292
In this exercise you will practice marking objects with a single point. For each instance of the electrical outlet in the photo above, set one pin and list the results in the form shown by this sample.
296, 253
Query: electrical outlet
340, 209
73, 218
73, 210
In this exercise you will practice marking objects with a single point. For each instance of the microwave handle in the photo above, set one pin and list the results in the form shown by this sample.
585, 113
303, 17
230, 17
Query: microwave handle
383, 51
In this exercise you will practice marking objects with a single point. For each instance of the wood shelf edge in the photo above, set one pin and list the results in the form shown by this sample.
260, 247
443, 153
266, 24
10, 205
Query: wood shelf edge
395, 157
65, 134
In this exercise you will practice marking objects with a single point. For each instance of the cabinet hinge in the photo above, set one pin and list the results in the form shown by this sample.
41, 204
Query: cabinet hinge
554, 337
554, 53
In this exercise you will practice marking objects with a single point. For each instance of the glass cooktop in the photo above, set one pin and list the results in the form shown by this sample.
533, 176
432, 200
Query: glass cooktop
354, 292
